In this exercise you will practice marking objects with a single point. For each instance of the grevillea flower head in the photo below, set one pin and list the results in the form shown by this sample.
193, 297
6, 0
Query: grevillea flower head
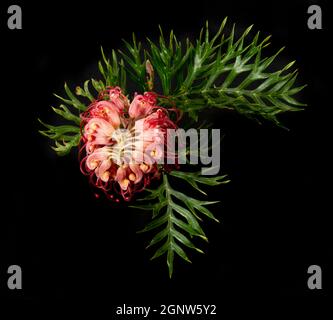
123, 143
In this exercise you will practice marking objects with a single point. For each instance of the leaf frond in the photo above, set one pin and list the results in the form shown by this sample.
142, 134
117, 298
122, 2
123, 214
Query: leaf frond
176, 217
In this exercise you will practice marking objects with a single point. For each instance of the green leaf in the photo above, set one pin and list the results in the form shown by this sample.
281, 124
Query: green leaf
67, 136
112, 70
180, 252
64, 112
180, 215
160, 251
188, 228
135, 64
98, 85
85, 91
184, 240
64, 147
194, 178
73, 100
170, 259
155, 223
191, 74
159, 237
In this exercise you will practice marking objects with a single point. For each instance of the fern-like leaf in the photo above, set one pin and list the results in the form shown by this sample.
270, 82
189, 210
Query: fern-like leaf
68, 135
176, 216
248, 86
218, 71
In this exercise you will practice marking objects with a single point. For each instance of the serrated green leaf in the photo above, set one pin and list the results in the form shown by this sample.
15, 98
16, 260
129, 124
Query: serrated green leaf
172, 227
230, 58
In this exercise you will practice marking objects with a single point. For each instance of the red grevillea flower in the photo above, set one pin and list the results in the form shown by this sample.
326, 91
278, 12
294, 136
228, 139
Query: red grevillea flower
123, 142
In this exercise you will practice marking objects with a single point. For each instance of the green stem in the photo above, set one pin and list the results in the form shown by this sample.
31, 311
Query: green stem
170, 255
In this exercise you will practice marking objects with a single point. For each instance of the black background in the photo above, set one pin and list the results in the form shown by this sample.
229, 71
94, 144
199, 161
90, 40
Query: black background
81, 252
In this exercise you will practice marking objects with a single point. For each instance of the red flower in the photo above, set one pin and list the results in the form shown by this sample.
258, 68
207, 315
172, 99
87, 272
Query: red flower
123, 142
